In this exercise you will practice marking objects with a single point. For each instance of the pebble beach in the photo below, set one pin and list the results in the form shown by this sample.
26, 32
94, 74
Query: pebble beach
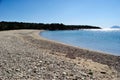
25, 55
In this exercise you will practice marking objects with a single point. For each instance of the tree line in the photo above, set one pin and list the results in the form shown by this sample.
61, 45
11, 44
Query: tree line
41, 26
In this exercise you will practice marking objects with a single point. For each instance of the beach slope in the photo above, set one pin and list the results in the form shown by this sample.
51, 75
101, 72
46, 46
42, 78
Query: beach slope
24, 54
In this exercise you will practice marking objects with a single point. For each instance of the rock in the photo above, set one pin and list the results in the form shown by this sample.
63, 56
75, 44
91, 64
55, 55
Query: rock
103, 72
18, 70
40, 61
64, 73
29, 70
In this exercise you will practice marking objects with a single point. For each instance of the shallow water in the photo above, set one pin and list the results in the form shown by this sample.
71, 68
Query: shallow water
105, 40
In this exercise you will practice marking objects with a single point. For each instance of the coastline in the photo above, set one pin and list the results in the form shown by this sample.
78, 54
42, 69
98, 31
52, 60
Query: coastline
105, 50
97, 51
105, 58
97, 56
103, 66
76, 47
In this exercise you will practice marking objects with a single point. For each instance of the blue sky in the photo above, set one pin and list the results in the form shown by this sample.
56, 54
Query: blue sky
103, 13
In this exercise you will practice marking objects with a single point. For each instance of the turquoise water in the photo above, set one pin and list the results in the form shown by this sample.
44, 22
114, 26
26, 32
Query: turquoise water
105, 40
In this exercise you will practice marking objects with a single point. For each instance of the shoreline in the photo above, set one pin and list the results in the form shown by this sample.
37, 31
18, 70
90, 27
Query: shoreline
97, 51
100, 57
103, 52
50, 58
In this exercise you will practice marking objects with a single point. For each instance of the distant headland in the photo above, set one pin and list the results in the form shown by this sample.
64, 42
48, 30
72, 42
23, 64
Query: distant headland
116, 27
4, 25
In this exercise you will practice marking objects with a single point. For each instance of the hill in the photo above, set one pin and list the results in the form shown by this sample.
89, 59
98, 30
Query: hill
115, 27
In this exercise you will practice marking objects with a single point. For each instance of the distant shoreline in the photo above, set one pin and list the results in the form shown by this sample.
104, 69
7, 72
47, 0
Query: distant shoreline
41, 26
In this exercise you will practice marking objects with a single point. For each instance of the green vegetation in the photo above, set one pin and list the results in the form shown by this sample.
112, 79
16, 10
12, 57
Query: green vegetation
41, 26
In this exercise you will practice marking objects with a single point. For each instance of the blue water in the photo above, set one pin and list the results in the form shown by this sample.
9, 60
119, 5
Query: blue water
100, 40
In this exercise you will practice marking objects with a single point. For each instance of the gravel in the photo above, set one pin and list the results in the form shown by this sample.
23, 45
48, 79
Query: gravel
20, 59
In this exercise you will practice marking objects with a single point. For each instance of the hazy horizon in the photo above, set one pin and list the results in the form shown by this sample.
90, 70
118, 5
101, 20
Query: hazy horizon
102, 13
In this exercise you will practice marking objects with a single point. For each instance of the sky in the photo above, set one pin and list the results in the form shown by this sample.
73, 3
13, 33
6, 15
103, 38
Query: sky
102, 13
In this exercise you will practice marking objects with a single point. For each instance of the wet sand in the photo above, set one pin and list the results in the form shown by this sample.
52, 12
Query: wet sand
27, 56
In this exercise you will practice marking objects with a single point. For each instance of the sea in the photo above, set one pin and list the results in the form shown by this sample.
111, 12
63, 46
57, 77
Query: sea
103, 40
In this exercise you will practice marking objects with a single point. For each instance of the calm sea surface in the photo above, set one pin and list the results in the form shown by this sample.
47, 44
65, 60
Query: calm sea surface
105, 40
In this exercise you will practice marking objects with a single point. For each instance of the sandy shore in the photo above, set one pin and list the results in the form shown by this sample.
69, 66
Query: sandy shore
24, 55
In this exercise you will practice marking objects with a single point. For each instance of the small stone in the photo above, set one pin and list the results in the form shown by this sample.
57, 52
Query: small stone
40, 61
29, 70
64, 73
21, 75
103, 72
35, 67
82, 78
17, 70
84, 74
